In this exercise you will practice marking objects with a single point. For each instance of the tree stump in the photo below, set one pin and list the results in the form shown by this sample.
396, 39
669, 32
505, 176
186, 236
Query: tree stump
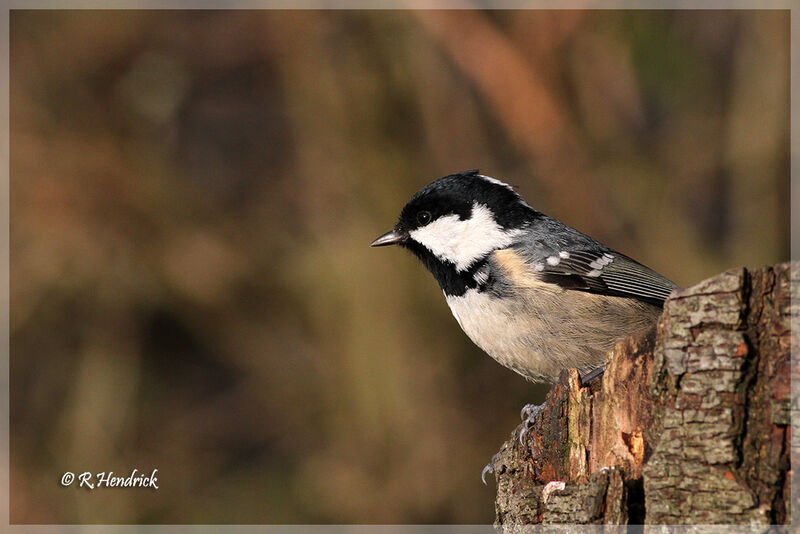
689, 424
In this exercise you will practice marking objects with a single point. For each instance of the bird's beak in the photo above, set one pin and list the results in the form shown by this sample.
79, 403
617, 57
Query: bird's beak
392, 237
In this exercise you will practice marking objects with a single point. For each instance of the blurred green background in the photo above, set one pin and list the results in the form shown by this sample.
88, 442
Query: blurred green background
193, 193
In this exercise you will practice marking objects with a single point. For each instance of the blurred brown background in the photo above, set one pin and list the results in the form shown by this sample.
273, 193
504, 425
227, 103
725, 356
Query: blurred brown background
193, 193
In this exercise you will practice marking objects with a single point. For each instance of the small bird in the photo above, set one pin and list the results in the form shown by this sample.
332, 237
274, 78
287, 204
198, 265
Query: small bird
535, 294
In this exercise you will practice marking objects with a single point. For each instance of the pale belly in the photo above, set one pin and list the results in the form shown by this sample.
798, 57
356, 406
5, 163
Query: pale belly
541, 333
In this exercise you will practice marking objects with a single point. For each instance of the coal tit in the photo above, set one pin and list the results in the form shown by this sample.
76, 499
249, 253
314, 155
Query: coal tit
535, 294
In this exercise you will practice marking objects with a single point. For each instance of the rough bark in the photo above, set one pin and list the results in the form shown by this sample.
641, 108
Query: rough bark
690, 423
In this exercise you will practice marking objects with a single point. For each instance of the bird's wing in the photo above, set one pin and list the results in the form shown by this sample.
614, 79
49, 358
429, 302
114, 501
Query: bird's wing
600, 271
607, 272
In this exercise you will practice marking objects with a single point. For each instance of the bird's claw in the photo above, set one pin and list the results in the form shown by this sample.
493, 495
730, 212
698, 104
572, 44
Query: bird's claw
488, 469
527, 414
527, 409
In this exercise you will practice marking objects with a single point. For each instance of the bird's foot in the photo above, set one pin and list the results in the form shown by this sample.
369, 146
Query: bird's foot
591, 375
489, 468
528, 413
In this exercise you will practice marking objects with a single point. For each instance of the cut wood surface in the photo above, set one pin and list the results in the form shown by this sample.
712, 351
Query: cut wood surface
690, 423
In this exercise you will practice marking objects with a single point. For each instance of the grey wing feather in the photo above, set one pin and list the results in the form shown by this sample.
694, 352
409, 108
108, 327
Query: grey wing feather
613, 273
579, 262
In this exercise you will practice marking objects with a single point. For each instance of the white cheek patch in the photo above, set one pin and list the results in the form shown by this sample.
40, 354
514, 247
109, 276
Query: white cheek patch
463, 242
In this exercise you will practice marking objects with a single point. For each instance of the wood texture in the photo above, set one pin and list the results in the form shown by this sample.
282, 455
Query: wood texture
690, 423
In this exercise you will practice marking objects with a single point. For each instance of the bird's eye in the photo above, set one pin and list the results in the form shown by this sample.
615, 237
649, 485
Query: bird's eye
424, 217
